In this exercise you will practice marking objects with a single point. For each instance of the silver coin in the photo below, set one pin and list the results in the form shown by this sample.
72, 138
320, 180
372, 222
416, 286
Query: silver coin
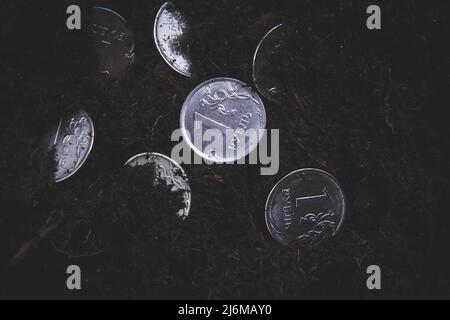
72, 140
113, 40
169, 33
305, 206
268, 50
169, 170
230, 107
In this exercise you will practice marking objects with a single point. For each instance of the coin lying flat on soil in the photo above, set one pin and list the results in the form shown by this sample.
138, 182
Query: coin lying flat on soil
305, 206
170, 35
231, 108
72, 140
168, 170
113, 41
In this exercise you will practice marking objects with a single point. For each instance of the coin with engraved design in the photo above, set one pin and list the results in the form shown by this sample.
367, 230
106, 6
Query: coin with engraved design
170, 171
113, 41
305, 206
221, 120
72, 140
170, 33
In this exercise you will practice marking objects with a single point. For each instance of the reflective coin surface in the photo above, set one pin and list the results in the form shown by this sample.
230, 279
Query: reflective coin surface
72, 140
168, 170
113, 40
170, 35
305, 206
270, 63
234, 112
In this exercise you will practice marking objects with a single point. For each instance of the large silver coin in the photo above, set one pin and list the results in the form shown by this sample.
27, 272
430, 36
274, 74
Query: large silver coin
114, 42
168, 170
305, 206
169, 33
231, 108
267, 64
72, 140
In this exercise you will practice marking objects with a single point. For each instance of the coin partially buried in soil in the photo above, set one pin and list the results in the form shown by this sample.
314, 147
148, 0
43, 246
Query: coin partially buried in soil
72, 140
232, 109
170, 35
272, 63
170, 171
113, 41
305, 206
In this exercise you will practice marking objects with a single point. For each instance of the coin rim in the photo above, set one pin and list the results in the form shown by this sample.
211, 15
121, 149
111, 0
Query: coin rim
270, 198
176, 164
258, 87
186, 134
112, 11
89, 149
155, 39
124, 20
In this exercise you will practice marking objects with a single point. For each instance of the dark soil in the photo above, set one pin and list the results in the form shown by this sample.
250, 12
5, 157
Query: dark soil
368, 108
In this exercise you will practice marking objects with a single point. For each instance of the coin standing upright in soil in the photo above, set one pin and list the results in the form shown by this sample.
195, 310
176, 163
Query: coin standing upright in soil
72, 140
113, 41
169, 170
232, 109
170, 35
305, 206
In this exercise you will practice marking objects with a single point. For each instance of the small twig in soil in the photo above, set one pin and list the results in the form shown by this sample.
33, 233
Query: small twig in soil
42, 234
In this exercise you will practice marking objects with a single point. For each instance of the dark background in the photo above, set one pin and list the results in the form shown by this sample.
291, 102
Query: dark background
371, 112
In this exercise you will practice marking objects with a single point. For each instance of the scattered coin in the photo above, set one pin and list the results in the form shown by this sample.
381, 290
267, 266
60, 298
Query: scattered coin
228, 106
305, 206
72, 140
270, 63
168, 170
114, 42
170, 35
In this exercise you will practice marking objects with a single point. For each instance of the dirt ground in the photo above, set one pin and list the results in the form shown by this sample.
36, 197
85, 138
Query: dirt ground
369, 109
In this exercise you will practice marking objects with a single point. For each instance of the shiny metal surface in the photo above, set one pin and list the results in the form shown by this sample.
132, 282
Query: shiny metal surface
305, 206
168, 170
227, 105
113, 40
170, 35
72, 140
